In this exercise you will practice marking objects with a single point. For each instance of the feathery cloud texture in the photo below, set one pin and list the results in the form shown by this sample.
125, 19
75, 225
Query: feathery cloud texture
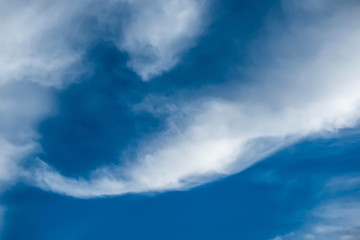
42, 47
309, 84
158, 32
337, 218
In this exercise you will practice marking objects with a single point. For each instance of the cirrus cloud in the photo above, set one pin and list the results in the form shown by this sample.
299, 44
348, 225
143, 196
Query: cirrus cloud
309, 85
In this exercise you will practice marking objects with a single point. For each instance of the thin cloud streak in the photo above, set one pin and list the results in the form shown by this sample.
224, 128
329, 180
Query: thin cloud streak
337, 218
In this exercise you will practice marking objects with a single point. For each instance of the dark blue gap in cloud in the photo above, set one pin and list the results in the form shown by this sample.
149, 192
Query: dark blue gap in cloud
95, 123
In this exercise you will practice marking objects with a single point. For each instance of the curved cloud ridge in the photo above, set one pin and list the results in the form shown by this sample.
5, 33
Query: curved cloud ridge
301, 95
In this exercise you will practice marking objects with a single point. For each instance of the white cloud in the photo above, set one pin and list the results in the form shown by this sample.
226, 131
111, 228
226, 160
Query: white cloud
42, 44
22, 106
34, 55
309, 85
34, 41
35, 35
337, 219
157, 33
343, 183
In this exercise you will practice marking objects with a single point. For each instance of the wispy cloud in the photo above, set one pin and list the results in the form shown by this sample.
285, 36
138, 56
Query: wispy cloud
33, 57
42, 46
22, 106
308, 84
158, 32
34, 43
43, 41
338, 218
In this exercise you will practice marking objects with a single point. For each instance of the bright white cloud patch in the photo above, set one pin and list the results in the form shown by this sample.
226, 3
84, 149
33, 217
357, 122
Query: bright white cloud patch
34, 39
158, 32
309, 85
36, 36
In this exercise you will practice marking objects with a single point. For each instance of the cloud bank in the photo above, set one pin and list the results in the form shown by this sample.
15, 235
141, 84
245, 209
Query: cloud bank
42, 46
34, 43
307, 85
40, 40
34, 56
22, 106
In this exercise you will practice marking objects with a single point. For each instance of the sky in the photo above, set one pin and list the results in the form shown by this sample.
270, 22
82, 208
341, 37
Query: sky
180, 119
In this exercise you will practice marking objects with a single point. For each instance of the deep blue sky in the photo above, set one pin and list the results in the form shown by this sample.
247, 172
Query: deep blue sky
93, 124
266, 200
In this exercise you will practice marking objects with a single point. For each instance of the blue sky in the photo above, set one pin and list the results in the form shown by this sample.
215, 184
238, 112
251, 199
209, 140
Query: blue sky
181, 119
